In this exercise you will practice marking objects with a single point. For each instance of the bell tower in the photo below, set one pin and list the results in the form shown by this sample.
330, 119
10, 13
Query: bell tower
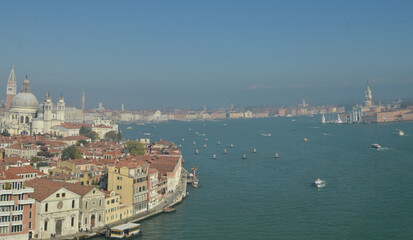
11, 88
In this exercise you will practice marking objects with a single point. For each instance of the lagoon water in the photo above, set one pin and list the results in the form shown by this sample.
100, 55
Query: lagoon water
368, 195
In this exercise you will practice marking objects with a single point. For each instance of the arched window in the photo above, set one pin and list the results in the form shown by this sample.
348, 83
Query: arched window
100, 203
73, 203
21, 119
45, 225
27, 119
46, 207
86, 205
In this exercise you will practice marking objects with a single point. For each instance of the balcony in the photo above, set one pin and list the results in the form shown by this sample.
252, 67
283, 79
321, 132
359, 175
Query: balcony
17, 222
27, 201
6, 203
5, 192
17, 212
4, 224
5, 213
23, 190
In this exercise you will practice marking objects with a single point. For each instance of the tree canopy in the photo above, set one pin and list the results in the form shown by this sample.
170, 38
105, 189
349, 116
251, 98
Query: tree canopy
71, 152
135, 148
113, 136
87, 132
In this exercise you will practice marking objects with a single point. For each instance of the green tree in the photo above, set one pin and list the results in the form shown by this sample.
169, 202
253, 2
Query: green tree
84, 130
120, 137
5, 133
36, 159
87, 132
71, 152
111, 136
135, 147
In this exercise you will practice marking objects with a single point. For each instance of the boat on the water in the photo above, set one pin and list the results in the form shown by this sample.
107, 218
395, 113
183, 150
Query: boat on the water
124, 231
129, 128
319, 183
375, 146
398, 132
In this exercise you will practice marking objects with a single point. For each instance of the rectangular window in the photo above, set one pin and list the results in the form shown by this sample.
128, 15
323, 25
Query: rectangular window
30, 224
63, 194
30, 215
58, 195
73, 222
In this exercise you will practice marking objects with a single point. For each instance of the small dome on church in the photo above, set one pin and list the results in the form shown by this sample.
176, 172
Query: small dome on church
24, 100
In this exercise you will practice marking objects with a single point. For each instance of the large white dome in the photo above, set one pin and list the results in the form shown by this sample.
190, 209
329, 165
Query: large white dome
24, 100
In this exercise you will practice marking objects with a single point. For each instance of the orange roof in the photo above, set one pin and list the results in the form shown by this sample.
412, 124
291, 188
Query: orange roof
45, 187
24, 170
75, 138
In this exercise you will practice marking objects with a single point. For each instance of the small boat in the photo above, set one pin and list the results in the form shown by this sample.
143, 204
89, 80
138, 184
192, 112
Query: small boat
194, 142
205, 145
244, 156
255, 150
168, 209
219, 143
225, 151
276, 155
180, 145
189, 129
196, 151
183, 140
319, 183
266, 134
398, 132
206, 139
124, 231
214, 156
195, 183
375, 146
129, 128
232, 145
305, 139
147, 134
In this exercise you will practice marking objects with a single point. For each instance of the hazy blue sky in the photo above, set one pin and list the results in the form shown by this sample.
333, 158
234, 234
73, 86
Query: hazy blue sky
150, 54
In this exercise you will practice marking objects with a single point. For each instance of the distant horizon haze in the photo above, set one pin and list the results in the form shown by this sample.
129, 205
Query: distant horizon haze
178, 54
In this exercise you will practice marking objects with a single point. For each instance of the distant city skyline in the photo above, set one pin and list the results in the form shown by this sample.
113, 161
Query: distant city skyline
150, 55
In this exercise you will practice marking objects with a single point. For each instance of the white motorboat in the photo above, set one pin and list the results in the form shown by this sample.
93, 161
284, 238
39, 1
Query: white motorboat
375, 146
319, 183
398, 132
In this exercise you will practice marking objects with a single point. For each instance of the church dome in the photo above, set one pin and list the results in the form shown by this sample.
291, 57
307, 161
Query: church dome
24, 100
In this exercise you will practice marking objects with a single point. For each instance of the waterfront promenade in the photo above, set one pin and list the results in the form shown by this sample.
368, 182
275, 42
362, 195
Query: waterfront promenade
171, 200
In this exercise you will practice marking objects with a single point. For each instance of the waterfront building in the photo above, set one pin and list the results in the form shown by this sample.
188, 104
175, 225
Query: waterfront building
57, 209
153, 188
388, 116
129, 179
17, 209
11, 88
114, 209
86, 200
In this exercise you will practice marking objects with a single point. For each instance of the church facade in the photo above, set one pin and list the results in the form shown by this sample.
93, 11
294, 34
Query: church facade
26, 116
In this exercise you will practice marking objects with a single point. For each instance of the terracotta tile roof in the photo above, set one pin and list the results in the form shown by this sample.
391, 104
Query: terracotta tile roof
45, 187
75, 138
13, 160
24, 170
